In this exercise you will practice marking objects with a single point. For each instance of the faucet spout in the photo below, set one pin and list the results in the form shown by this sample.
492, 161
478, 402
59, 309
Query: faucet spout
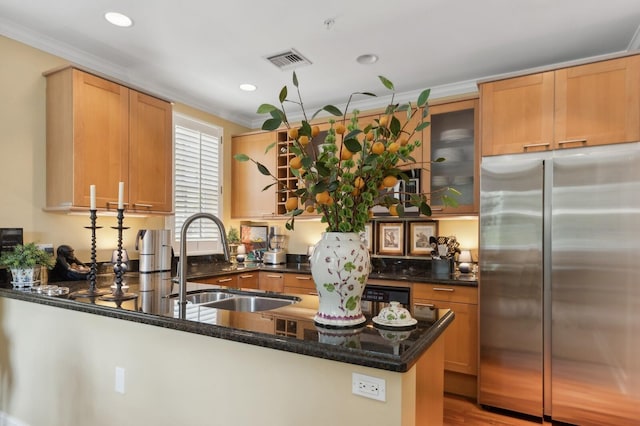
183, 254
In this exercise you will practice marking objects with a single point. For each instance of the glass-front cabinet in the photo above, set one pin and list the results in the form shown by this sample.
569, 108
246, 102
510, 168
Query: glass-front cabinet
452, 136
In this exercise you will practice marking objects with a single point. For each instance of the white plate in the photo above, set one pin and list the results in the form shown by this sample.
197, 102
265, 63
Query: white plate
455, 134
387, 323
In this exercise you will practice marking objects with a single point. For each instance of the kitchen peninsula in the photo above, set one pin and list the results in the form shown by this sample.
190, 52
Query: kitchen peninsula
176, 373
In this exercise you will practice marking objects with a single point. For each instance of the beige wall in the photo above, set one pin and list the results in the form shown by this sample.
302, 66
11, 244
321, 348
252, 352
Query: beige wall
57, 368
23, 146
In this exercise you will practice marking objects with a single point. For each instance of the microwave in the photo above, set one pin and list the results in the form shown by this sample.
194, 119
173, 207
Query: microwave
403, 190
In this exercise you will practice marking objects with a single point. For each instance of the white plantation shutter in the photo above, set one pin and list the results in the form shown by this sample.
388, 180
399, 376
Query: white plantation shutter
197, 177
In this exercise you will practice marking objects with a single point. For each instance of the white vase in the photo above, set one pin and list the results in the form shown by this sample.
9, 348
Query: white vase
25, 277
340, 266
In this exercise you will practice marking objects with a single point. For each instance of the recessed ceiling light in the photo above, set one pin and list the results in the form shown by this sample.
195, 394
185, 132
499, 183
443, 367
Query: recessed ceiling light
367, 59
247, 87
118, 19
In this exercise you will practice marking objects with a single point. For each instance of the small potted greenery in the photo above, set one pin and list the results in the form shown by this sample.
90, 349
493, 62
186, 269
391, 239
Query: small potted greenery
25, 262
233, 239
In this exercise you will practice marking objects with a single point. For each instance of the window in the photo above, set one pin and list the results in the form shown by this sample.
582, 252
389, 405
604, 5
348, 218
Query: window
197, 181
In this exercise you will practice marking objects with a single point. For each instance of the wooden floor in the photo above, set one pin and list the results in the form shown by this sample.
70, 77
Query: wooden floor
462, 411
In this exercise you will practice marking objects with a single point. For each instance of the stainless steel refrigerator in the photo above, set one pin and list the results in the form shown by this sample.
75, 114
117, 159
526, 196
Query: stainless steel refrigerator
560, 284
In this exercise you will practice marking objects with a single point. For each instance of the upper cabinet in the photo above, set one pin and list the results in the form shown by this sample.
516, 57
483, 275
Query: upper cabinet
592, 104
452, 136
249, 200
101, 133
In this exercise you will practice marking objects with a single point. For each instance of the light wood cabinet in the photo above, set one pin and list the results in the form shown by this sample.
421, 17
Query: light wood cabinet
271, 281
248, 279
461, 337
101, 133
585, 105
230, 280
452, 136
249, 200
299, 283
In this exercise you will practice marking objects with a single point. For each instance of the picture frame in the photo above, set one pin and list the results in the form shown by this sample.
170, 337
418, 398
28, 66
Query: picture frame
367, 236
254, 237
419, 234
391, 238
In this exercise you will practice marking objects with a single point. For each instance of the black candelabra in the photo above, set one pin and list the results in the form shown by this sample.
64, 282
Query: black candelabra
92, 291
118, 295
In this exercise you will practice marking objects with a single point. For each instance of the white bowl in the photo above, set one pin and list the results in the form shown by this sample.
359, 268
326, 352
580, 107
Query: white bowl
394, 315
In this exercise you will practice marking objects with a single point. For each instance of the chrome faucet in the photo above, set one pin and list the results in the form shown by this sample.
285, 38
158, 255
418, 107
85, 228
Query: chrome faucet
183, 254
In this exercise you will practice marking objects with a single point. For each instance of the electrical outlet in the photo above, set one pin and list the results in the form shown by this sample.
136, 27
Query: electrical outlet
369, 387
119, 379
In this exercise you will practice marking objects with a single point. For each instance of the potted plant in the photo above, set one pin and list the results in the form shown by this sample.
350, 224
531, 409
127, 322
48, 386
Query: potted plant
354, 169
25, 262
233, 239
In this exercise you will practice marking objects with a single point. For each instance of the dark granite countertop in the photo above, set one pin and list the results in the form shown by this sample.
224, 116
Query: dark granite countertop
385, 272
290, 328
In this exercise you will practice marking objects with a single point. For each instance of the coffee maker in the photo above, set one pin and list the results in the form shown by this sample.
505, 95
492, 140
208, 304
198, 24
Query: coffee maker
276, 252
154, 246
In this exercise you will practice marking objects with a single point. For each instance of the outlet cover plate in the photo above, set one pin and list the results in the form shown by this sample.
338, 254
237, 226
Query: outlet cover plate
368, 386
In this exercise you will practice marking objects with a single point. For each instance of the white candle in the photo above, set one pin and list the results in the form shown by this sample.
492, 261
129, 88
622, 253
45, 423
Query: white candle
92, 195
121, 195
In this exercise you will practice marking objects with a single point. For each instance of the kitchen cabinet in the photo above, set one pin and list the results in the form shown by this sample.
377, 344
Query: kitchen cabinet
461, 338
271, 281
299, 283
248, 280
101, 133
230, 280
585, 105
452, 136
249, 200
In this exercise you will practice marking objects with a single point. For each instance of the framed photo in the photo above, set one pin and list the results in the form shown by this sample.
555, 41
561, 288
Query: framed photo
391, 238
367, 236
419, 235
254, 237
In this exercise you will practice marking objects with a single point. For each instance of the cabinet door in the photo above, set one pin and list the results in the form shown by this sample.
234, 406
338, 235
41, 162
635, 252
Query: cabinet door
225, 280
460, 338
299, 283
516, 115
598, 103
150, 154
248, 280
271, 281
100, 139
452, 136
247, 197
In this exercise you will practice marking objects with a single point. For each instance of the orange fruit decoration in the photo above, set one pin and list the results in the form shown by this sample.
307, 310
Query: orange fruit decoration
393, 147
304, 140
345, 154
315, 130
291, 204
393, 210
384, 119
293, 133
340, 129
295, 163
323, 197
377, 148
389, 181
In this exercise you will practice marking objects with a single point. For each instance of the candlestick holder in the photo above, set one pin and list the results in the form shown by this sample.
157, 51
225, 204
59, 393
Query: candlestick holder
118, 296
92, 291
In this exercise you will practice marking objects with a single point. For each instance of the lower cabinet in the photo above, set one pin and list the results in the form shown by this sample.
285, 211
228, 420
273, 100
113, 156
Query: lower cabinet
225, 280
248, 280
461, 337
299, 284
271, 281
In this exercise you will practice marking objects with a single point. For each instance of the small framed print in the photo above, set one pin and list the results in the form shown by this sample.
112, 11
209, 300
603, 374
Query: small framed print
367, 236
419, 235
391, 238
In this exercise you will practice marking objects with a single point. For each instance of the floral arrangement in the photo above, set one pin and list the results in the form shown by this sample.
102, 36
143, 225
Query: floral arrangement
353, 168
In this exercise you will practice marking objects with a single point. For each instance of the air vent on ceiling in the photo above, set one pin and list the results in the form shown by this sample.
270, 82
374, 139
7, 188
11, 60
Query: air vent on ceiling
288, 60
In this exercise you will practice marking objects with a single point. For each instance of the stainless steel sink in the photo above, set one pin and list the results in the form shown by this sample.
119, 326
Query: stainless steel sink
252, 303
207, 297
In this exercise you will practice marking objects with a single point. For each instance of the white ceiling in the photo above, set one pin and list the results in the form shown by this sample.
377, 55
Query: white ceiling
199, 51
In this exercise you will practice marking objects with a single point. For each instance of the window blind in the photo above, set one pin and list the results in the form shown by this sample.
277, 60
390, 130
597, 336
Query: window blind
197, 177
